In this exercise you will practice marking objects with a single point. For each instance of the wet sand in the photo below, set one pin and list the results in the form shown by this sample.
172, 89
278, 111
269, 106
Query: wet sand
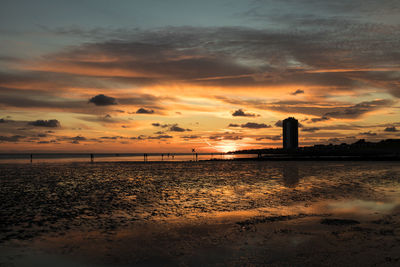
291, 240
278, 215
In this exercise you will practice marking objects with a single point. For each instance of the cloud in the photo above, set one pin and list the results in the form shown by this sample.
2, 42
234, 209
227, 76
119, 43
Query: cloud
253, 125
241, 113
297, 92
144, 111
9, 59
310, 129
103, 100
391, 129
279, 123
274, 138
329, 109
310, 56
75, 139
324, 118
3, 120
323, 109
106, 119
148, 100
160, 137
176, 128
63, 101
155, 57
335, 140
369, 133
14, 138
111, 137
45, 123
47, 142
324, 54
33, 98
78, 138
232, 137
190, 137
359, 109
225, 136
215, 137
171, 127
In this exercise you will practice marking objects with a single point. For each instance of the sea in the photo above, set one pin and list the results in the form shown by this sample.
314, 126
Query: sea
113, 157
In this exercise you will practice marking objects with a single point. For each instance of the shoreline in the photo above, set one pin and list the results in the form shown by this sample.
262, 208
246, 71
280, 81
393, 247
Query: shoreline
321, 158
274, 159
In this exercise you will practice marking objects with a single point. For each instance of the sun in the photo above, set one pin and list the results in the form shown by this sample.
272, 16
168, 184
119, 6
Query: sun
227, 147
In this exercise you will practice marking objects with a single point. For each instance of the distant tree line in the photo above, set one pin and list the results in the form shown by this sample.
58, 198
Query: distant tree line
359, 148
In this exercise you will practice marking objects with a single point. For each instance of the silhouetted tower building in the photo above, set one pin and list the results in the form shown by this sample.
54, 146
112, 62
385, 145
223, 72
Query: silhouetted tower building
290, 133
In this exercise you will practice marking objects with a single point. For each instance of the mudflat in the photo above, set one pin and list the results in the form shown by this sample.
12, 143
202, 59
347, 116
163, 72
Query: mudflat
204, 213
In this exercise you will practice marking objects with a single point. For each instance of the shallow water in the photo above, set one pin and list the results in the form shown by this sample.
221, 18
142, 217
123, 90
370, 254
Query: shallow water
124, 157
45, 198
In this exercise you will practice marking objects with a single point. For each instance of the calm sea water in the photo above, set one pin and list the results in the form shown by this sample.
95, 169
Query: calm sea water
106, 195
113, 157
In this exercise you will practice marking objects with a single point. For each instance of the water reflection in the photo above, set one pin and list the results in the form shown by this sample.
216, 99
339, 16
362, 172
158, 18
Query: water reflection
156, 157
290, 175
361, 206
110, 194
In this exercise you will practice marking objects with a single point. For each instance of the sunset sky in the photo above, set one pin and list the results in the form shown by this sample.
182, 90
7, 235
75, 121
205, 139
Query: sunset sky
168, 76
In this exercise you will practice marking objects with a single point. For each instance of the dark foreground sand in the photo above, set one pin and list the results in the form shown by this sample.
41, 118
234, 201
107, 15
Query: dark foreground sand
237, 239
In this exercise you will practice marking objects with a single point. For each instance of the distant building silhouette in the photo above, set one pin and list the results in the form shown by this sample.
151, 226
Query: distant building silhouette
290, 128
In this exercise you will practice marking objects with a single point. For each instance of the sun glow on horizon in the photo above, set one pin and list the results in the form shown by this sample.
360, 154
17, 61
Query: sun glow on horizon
227, 147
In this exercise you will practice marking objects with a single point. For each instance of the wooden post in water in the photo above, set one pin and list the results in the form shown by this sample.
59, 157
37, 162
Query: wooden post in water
162, 157
31, 157
91, 158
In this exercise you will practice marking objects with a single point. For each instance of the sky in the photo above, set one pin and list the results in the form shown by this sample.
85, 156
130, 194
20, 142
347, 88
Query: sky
217, 76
